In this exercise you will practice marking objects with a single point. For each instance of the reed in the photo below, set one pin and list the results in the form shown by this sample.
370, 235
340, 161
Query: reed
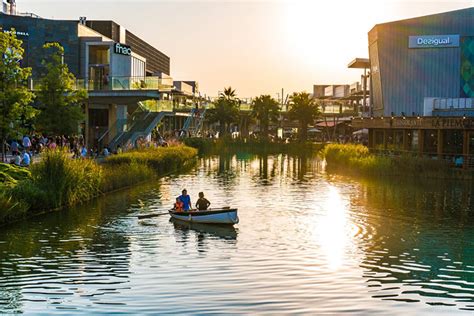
357, 159
58, 180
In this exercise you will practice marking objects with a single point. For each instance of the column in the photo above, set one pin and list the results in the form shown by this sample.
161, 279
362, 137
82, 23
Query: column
440, 144
406, 145
371, 138
465, 149
421, 142
385, 139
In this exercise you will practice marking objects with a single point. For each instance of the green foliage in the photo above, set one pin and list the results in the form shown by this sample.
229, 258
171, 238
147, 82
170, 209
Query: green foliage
59, 101
15, 98
356, 159
11, 174
58, 180
123, 175
225, 111
266, 110
66, 181
225, 145
305, 110
161, 159
11, 208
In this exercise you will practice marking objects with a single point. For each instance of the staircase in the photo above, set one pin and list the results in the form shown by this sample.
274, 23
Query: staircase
194, 122
140, 124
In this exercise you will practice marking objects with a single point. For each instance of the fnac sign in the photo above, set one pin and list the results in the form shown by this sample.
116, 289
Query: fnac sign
122, 49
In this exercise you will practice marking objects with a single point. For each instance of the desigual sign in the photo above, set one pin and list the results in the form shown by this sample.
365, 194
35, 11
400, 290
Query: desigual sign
122, 49
433, 41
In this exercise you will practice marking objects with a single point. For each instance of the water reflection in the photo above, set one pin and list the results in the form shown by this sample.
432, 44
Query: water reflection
307, 242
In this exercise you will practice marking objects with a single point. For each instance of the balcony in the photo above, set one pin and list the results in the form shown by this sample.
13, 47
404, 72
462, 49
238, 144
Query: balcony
119, 84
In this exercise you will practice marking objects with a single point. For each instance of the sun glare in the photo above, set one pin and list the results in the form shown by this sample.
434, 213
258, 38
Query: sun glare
331, 231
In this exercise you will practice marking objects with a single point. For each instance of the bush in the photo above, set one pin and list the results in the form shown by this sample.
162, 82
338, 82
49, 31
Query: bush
11, 174
66, 181
356, 159
123, 175
161, 159
10, 207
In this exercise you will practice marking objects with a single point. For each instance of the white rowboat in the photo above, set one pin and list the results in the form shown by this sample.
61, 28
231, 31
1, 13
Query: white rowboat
215, 216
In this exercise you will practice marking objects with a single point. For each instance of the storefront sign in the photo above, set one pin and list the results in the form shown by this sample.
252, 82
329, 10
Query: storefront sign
17, 33
433, 41
122, 49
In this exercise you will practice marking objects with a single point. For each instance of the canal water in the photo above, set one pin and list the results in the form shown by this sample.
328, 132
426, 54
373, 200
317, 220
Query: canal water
307, 242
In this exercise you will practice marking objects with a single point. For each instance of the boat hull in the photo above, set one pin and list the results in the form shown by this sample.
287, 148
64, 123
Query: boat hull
222, 216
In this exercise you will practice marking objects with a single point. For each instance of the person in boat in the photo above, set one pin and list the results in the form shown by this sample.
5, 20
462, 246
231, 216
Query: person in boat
178, 206
202, 203
186, 199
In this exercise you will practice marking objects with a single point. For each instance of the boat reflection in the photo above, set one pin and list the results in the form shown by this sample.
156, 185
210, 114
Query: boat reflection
226, 232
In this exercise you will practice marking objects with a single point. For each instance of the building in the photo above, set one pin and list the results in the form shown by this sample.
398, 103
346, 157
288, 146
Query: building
422, 86
128, 80
416, 60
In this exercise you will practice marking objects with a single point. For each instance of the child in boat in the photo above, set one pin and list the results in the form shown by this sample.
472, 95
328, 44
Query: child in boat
178, 206
202, 203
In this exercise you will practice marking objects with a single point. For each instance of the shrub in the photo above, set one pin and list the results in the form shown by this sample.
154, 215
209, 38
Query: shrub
357, 159
10, 207
161, 159
66, 181
11, 174
123, 175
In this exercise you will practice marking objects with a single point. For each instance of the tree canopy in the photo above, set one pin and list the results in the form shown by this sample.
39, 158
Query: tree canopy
59, 100
225, 111
266, 110
305, 110
15, 98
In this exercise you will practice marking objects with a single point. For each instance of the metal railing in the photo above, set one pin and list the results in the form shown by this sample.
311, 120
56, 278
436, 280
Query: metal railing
117, 84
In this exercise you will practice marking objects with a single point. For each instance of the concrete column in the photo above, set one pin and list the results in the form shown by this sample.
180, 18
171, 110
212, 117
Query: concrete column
421, 142
371, 138
465, 149
406, 144
440, 144
385, 139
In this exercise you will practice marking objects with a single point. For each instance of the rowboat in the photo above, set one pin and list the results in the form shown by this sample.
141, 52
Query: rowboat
226, 216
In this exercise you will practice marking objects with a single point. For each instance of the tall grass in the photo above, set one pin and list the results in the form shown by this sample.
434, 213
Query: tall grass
161, 159
229, 145
58, 180
357, 159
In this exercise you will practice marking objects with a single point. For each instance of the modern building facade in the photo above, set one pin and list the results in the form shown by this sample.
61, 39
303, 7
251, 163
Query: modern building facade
422, 58
422, 77
127, 79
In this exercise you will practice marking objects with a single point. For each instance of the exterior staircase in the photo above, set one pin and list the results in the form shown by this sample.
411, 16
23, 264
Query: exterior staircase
193, 124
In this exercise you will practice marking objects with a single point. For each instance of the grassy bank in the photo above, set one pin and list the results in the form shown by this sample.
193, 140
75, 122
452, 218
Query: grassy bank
229, 145
357, 160
58, 181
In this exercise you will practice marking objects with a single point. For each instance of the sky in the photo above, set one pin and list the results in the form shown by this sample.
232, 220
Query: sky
255, 46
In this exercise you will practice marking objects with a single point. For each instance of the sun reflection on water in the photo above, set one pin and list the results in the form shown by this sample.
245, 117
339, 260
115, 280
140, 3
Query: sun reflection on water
332, 229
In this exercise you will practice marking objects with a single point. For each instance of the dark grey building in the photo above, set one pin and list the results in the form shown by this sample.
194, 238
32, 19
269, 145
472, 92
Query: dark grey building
157, 62
421, 60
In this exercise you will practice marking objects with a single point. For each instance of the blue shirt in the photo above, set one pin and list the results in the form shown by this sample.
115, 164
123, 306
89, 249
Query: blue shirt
186, 201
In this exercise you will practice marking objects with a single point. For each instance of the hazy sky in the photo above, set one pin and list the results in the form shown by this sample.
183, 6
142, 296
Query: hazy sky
254, 46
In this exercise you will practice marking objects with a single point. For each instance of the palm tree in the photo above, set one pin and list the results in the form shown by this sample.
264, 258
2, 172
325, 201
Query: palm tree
228, 94
225, 111
305, 110
266, 110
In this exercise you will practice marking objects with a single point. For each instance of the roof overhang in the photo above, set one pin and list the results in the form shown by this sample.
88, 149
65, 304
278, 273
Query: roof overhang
359, 63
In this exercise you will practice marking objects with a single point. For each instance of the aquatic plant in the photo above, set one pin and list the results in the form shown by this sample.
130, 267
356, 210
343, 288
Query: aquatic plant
357, 159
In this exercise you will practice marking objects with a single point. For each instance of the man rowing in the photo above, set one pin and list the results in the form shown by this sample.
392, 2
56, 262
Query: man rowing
186, 199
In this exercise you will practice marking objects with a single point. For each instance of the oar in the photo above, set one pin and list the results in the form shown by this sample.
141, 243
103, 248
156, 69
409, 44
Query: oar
151, 215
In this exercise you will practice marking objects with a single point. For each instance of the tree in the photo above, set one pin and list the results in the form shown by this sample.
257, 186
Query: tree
15, 98
225, 110
266, 110
305, 110
59, 101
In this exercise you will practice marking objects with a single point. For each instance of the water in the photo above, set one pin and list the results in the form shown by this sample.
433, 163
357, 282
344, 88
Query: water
307, 242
